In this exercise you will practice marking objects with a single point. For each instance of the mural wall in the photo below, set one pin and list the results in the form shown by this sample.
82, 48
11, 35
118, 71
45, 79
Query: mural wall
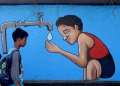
39, 64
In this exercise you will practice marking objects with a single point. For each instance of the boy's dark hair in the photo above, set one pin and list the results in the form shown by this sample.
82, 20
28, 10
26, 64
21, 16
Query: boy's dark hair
19, 33
70, 20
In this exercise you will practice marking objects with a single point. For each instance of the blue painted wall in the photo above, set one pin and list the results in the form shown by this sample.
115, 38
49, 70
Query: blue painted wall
39, 64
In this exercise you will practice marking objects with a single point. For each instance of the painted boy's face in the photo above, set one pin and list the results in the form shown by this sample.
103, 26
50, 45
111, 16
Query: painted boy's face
69, 33
23, 41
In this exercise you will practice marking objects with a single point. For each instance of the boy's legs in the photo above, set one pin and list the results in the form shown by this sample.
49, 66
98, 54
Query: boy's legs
93, 70
15, 84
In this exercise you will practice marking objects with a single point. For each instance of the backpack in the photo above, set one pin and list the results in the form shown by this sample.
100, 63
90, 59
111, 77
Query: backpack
5, 66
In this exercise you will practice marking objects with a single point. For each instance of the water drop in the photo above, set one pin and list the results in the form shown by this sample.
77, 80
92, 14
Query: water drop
49, 36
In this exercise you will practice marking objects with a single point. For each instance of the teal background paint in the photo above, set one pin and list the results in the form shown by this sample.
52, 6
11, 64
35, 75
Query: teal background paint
39, 64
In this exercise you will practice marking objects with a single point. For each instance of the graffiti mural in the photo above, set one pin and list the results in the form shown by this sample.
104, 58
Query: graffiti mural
91, 50
93, 56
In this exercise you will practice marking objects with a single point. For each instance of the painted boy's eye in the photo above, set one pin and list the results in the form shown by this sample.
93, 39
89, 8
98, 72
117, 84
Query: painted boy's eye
65, 31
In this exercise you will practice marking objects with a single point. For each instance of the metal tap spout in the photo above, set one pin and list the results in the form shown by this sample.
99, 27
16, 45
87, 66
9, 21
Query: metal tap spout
42, 23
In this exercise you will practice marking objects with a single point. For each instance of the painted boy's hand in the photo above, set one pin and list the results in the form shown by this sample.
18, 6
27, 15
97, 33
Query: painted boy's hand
52, 47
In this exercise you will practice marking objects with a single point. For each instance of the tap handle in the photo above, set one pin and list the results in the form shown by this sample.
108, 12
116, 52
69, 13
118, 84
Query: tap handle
40, 14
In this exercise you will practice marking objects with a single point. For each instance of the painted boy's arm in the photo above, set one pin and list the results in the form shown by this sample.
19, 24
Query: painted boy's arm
80, 60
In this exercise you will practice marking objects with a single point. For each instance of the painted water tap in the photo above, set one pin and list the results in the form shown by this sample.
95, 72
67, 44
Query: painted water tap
14, 24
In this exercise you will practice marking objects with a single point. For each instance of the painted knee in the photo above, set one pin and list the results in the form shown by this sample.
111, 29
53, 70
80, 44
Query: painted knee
93, 70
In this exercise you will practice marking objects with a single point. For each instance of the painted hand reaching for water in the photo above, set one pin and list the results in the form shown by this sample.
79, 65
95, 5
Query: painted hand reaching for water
53, 48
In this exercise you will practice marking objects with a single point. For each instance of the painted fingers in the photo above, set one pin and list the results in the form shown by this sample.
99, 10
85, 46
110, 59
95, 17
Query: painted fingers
52, 47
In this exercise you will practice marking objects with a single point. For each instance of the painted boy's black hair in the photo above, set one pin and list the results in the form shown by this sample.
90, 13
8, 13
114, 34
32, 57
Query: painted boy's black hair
19, 33
70, 20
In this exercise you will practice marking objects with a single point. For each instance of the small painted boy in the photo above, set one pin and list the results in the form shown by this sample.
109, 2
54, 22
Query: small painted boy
94, 57
19, 37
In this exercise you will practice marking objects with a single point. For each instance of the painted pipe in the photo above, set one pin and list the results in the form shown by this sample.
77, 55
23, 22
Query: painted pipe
14, 24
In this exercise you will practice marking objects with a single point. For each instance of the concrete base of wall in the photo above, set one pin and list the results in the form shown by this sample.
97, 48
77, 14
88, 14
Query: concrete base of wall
71, 83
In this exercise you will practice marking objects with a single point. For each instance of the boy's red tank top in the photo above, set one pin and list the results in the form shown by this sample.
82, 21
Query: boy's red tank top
99, 49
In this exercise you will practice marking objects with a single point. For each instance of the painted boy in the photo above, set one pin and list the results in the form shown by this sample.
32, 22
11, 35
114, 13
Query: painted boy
94, 56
